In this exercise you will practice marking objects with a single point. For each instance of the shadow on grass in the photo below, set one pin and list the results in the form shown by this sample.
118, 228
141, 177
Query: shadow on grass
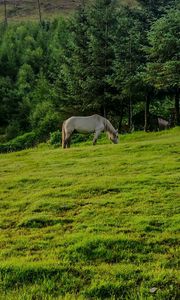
112, 251
40, 222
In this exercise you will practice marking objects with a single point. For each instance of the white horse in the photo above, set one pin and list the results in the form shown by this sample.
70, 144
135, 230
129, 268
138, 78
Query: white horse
92, 124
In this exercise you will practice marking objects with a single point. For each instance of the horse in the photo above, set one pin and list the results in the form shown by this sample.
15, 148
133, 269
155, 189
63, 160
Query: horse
163, 124
91, 124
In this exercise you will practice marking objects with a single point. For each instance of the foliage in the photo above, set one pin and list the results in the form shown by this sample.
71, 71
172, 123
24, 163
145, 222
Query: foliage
163, 67
91, 62
155, 9
27, 140
8, 101
44, 119
12, 130
128, 39
55, 138
164, 51
102, 22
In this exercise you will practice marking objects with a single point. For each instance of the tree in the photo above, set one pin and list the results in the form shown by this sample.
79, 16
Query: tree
88, 57
23, 54
60, 68
128, 60
102, 23
8, 101
163, 68
75, 69
156, 8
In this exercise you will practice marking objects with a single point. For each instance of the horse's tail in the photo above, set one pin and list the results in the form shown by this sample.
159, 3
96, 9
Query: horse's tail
63, 136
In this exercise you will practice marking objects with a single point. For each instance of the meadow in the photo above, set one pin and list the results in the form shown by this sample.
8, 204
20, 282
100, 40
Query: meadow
92, 222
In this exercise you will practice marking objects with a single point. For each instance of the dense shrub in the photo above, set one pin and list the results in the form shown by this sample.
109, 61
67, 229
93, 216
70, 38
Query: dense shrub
44, 119
12, 130
21, 142
79, 137
55, 138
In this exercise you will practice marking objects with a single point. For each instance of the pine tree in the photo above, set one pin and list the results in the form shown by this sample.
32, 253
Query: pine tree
163, 68
90, 57
156, 8
129, 59
77, 64
102, 22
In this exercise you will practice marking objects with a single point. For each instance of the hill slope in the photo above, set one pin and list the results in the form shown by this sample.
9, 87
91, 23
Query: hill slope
91, 221
18, 10
28, 9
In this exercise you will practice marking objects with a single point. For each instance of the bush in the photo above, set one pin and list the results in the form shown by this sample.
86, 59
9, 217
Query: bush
48, 124
12, 130
79, 137
44, 119
55, 138
21, 142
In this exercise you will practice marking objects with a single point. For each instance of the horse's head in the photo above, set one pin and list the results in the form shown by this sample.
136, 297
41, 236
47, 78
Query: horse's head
113, 136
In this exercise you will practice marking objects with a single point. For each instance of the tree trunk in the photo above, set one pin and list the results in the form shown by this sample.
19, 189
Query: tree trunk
146, 115
121, 118
39, 9
177, 116
130, 125
5, 13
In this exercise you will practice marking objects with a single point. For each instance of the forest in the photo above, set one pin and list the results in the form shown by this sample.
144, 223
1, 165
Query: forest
119, 61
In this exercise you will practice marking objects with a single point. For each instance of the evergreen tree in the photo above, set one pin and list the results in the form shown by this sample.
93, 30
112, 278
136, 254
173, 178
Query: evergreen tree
163, 68
89, 56
8, 101
102, 23
23, 53
128, 61
78, 62
155, 8
60, 67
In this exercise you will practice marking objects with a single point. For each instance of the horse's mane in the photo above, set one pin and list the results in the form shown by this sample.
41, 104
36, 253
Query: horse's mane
108, 126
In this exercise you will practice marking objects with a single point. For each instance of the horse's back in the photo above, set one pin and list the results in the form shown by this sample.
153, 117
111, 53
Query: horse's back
84, 124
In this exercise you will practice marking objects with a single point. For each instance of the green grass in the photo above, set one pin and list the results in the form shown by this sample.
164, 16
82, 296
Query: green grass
92, 222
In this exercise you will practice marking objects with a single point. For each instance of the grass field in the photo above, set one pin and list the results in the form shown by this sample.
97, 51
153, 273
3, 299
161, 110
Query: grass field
92, 222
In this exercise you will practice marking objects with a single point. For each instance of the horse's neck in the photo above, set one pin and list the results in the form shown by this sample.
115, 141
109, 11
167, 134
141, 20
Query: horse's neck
109, 127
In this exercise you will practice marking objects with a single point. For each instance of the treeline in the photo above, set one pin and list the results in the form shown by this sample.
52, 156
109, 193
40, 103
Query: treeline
106, 58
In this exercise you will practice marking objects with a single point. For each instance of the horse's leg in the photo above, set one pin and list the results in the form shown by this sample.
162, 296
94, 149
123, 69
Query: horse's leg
63, 136
96, 135
64, 139
65, 142
68, 140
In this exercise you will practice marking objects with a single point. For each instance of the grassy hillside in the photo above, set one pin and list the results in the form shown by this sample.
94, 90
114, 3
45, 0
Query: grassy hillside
92, 222
28, 9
